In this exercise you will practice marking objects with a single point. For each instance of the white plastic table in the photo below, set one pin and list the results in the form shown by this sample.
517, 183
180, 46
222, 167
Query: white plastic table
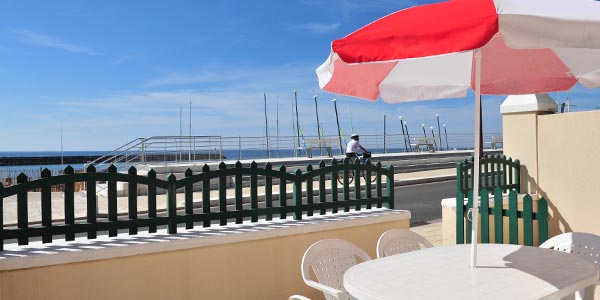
504, 272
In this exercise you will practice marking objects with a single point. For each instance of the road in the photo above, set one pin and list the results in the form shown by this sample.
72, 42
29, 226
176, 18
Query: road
423, 200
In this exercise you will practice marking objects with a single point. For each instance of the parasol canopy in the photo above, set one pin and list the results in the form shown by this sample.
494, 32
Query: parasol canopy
442, 50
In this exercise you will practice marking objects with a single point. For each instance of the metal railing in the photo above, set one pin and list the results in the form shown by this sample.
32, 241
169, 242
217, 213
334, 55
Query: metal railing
174, 149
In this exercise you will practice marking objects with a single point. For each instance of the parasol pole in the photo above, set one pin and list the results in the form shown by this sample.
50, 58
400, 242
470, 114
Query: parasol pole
476, 166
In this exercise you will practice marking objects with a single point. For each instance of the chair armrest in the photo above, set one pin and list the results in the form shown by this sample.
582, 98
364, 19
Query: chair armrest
298, 297
327, 289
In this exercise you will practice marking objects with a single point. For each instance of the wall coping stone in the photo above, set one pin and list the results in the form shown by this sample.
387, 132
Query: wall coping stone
37, 254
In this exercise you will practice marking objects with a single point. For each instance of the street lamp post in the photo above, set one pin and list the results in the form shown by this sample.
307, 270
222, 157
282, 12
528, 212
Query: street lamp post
408, 136
439, 130
446, 134
403, 133
338, 125
423, 126
318, 126
433, 135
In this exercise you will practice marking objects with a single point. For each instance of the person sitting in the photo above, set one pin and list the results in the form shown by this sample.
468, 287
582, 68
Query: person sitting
353, 146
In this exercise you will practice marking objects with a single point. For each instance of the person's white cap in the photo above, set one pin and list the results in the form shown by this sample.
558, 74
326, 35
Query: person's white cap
354, 135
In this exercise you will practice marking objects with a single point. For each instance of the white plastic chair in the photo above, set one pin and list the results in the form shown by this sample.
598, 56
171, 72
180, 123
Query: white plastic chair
329, 259
400, 240
584, 245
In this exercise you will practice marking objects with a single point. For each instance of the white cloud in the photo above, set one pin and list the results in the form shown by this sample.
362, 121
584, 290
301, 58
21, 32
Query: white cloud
320, 27
289, 76
38, 39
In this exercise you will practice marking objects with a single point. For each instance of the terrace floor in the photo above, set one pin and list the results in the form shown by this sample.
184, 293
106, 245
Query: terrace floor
431, 231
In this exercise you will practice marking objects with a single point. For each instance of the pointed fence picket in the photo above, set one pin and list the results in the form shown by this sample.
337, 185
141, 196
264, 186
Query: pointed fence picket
499, 214
500, 175
93, 223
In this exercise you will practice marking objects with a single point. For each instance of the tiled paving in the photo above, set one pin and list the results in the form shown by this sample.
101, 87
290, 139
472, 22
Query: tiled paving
431, 231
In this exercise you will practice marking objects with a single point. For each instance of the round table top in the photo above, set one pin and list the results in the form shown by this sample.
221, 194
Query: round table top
503, 272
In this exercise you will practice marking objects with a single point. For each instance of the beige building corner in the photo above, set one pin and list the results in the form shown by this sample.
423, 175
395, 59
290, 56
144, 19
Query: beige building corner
560, 159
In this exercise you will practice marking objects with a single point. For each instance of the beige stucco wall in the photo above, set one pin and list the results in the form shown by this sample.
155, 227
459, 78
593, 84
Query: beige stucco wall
559, 156
569, 170
519, 132
258, 269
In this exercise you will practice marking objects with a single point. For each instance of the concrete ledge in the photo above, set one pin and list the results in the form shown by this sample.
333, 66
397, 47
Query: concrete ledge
421, 180
37, 254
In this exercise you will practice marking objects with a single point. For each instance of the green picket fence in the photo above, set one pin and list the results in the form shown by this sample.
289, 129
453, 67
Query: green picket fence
499, 214
495, 171
313, 200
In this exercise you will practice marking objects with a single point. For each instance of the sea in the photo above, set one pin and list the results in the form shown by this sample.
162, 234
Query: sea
233, 154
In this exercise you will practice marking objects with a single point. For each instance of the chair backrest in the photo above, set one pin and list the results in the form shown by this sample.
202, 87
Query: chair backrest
585, 245
329, 259
400, 240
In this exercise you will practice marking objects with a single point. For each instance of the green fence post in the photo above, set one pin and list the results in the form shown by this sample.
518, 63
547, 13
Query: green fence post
46, 207
469, 223
22, 210
189, 199
527, 221
206, 197
92, 201
390, 186
334, 185
460, 217
239, 197
498, 216
70, 202
322, 193
254, 191
379, 186
172, 203
222, 194
513, 222
309, 189
368, 187
484, 210
297, 195
269, 191
282, 194
499, 170
132, 200
152, 201
346, 187
357, 170
112, 201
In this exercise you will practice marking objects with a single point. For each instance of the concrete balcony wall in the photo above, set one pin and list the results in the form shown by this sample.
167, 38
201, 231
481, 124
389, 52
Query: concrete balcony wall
251, 261
560, 159
568, 168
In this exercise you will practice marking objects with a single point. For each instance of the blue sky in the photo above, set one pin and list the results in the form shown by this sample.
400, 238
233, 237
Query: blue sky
111, 71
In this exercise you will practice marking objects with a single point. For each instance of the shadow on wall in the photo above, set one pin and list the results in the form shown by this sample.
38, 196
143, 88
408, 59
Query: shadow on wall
556, 223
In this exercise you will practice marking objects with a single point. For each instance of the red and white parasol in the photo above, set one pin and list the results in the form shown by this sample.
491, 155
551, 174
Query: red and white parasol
442, 50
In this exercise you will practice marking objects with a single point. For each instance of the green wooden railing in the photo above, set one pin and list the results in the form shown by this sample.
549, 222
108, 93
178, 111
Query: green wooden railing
498, 215
362, 195
495, 171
